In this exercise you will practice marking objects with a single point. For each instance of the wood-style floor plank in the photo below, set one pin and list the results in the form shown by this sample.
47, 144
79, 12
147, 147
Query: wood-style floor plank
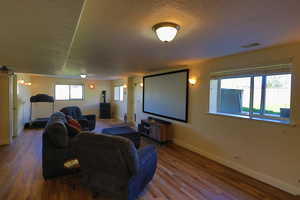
181, 175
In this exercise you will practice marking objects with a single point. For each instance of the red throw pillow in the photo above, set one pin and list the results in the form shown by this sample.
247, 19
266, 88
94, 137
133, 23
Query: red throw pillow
74, 123
72, 130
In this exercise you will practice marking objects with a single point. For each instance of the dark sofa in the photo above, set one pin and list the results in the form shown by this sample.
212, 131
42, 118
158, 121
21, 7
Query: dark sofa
56, 147
87, 122
112, 167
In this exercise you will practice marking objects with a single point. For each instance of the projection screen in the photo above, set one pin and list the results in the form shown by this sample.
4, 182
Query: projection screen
166, 95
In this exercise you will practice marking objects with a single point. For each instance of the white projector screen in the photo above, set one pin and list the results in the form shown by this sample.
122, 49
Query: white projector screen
166, 95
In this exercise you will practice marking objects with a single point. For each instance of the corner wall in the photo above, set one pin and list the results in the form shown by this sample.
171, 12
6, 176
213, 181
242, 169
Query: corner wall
89, 105
266, 151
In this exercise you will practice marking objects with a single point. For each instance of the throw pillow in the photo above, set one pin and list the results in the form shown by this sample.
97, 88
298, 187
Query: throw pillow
72, 130
74, 123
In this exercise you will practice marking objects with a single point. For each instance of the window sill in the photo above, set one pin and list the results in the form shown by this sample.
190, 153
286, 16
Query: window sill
274, 121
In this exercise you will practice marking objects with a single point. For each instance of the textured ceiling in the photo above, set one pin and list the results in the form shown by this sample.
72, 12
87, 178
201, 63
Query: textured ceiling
35, 35
114, 37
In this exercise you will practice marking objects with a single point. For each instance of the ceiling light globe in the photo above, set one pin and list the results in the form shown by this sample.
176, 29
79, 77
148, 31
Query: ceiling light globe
166, 31
83, 75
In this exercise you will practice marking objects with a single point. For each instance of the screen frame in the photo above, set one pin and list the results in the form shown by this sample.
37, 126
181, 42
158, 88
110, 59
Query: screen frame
186, 97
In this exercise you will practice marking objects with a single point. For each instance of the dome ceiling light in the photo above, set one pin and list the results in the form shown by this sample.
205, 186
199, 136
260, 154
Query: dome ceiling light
83, 75
166, 31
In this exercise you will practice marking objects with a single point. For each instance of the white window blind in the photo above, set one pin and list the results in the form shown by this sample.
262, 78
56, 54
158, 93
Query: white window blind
248, 71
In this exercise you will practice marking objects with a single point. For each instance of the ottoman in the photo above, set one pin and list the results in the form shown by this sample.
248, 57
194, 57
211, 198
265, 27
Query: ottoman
125, 131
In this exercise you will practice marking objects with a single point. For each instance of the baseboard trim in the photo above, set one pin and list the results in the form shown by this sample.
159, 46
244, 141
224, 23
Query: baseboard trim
244, 170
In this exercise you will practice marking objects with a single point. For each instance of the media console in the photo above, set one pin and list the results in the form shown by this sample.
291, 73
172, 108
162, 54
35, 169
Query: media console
156, 129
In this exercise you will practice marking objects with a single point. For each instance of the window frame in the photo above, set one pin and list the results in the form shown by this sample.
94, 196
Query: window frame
262, 116
70, 99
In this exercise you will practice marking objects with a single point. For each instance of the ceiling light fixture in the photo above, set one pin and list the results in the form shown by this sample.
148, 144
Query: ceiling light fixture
166, 31
83, 75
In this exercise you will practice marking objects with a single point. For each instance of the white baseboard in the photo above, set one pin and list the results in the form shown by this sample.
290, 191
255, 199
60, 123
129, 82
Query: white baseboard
244, 170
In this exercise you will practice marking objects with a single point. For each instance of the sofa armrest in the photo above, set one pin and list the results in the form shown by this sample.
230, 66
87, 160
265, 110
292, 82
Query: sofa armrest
84, 123
146, 154
57, 134
90, 117
91, 120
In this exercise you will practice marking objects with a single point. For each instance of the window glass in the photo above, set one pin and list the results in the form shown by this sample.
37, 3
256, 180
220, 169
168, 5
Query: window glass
271, 96
235, 95
257, 91
116, 93
278, 95
76, 91
62, 92
121, 93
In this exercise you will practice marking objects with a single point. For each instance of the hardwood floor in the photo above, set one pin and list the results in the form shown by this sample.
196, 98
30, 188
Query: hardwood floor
181, 175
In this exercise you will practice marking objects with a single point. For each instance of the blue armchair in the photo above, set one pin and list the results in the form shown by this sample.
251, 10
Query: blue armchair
112, 167
87, 122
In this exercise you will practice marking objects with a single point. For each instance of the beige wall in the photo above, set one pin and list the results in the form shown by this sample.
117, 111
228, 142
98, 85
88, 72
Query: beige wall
14, 107
22, 103
267, 151
5, 133
90, 104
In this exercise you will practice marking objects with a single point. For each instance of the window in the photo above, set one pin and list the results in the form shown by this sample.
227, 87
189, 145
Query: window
118, 93
68, 92
264, 97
